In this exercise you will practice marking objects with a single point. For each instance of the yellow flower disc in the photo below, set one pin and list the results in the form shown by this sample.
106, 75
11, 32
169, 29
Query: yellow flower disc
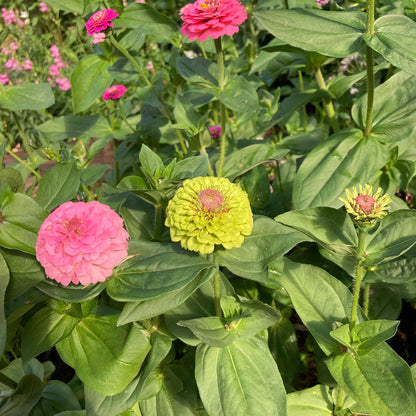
364, 207
208, 211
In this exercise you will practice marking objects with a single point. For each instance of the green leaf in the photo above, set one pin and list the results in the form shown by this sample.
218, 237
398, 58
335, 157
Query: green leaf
24, 397
13, 178
329, 227
240, 380
391, 395
152, 22
396, 235
343, 161
239, 95
97, 340
315, 401
268, 241
336, 34
56, 397
64, 127
22, 218
157, 270
393, 34
198, 70
150, 161
59, 184
72, 293
153, 307
393, 111
45, 329
25, 272
320, 300
242, 160
26, 97
4, 281
401, 270
89, 80
73, 6
200, 304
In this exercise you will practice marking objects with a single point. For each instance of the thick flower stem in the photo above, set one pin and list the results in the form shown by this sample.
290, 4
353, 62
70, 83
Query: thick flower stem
126, 53
221, 84
369, 54
366, 303
339, 401
217, 294
327, 101
358, 277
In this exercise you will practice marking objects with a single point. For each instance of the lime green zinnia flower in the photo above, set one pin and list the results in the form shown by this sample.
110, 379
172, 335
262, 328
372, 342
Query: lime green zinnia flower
364, 207
209, 211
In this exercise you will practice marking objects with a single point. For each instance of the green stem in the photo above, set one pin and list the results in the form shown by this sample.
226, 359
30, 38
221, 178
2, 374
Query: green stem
221, 83
366, 303
339, 401
327, 101
126, 53
24, 163
217, 294
305, 114
358, 277
24, 137
369, 54
91, 196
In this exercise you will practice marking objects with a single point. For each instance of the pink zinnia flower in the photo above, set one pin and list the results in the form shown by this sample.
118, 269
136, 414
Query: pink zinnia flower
28, 65
98, 37
9, 16
4, 79
215, 131
54, 51
43, 7
212, 18
114, 92
100, 20
11, 64
63, 83
54, 70
81, 242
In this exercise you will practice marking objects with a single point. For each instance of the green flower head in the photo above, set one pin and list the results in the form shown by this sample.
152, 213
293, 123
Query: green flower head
364, 207
208, 211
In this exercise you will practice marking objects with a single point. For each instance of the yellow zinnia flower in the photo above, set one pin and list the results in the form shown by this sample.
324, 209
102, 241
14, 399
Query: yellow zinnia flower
207, 211
364, 207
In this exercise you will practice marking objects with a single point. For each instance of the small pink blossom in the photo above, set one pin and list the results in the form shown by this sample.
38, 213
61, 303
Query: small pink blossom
100, 20
215, 131
59, 63
81, 243
14, 46
21, 23
43, 7
4, 79
63, 84
11, 64
212, 18
54, 70
98, 37
321, 2
28, 65
114, 92
5, 51
54, 51
9, 16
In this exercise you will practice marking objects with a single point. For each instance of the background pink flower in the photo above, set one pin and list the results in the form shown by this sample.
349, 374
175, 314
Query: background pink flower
43, 7
100, 20
28, 65
98, 37
4, 79
54, 51
114, 92
81, 242
63, 83
212, 18
215, 131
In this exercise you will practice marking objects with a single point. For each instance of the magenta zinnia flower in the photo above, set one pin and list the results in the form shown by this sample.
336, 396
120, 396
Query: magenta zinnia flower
100, 20
212, 18
81, 242
215, 131
114, 92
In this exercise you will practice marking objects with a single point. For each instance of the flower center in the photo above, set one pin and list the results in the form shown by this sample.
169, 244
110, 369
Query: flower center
207, 3
211, 199
365, 203
73, 226
99, 16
